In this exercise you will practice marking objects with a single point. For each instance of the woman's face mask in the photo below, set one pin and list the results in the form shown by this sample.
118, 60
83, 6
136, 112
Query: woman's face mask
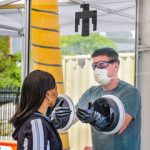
101, 76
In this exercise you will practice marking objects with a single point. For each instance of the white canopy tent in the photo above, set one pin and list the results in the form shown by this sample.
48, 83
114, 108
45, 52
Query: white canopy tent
112, 15
11, 18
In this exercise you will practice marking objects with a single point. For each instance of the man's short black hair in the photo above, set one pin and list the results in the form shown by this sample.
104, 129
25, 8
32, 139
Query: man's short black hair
110, 52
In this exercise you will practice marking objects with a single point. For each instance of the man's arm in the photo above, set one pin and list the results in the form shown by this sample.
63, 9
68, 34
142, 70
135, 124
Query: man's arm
128, 119
133, 106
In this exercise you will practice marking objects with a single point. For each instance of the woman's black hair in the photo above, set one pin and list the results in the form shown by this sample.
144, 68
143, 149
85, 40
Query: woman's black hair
33, 92
110, 52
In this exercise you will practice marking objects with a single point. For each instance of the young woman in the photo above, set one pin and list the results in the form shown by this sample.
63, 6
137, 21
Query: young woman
33, 129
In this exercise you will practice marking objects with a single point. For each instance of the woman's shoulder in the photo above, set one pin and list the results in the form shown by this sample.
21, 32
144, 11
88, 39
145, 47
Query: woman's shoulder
35, 125
34, 121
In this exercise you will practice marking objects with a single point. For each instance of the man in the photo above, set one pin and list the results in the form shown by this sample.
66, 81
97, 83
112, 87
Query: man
105, 65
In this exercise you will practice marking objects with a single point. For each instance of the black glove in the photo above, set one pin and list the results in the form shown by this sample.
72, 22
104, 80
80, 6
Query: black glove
93, 117
86, 115
60, 115
104, 108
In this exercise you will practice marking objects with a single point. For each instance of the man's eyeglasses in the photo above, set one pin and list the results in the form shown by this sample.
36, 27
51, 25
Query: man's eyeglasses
102, 64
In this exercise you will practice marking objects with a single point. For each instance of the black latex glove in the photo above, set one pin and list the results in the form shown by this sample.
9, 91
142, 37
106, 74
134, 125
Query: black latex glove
60, 115
92, 117
104, 107
86, 115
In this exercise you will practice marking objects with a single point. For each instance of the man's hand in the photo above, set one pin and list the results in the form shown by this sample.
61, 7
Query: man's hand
92, 117
86, 115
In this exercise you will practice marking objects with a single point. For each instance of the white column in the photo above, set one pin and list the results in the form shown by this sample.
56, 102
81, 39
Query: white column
143, 66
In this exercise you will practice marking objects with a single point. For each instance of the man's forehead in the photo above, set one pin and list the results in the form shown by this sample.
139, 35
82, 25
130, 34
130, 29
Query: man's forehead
101, 58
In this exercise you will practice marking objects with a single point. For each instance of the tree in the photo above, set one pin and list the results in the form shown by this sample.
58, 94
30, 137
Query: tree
78, 45
10, 67
4, 50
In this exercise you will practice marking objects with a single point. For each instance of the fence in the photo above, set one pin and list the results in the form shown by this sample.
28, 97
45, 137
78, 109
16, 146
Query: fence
8, 103
78, 76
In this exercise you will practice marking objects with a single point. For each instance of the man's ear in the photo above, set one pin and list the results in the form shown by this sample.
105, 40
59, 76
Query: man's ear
117, 66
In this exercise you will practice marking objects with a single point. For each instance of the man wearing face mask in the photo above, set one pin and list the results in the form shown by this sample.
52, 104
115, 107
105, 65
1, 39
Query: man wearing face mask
105, 66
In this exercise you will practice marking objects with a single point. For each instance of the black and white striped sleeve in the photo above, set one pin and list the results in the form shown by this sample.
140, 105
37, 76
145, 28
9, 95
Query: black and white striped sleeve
36, 136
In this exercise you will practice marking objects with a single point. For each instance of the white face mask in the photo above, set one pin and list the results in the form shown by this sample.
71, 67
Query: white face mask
101, 76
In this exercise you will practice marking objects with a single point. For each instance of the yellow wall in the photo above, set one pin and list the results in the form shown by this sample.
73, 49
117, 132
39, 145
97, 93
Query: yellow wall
45, 44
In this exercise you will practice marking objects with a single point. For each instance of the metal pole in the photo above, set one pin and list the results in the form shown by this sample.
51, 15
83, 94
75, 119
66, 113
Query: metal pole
136, 79
26, 51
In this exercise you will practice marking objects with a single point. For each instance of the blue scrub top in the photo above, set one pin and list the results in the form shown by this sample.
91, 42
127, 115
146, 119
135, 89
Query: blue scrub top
130, 139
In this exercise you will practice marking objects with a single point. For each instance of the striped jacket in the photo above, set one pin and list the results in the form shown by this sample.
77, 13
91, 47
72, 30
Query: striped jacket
37, 133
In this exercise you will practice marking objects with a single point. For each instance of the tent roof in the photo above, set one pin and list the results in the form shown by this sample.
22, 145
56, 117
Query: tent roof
113, 15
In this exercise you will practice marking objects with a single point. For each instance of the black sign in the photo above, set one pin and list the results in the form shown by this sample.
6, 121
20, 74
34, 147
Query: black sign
85, 16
